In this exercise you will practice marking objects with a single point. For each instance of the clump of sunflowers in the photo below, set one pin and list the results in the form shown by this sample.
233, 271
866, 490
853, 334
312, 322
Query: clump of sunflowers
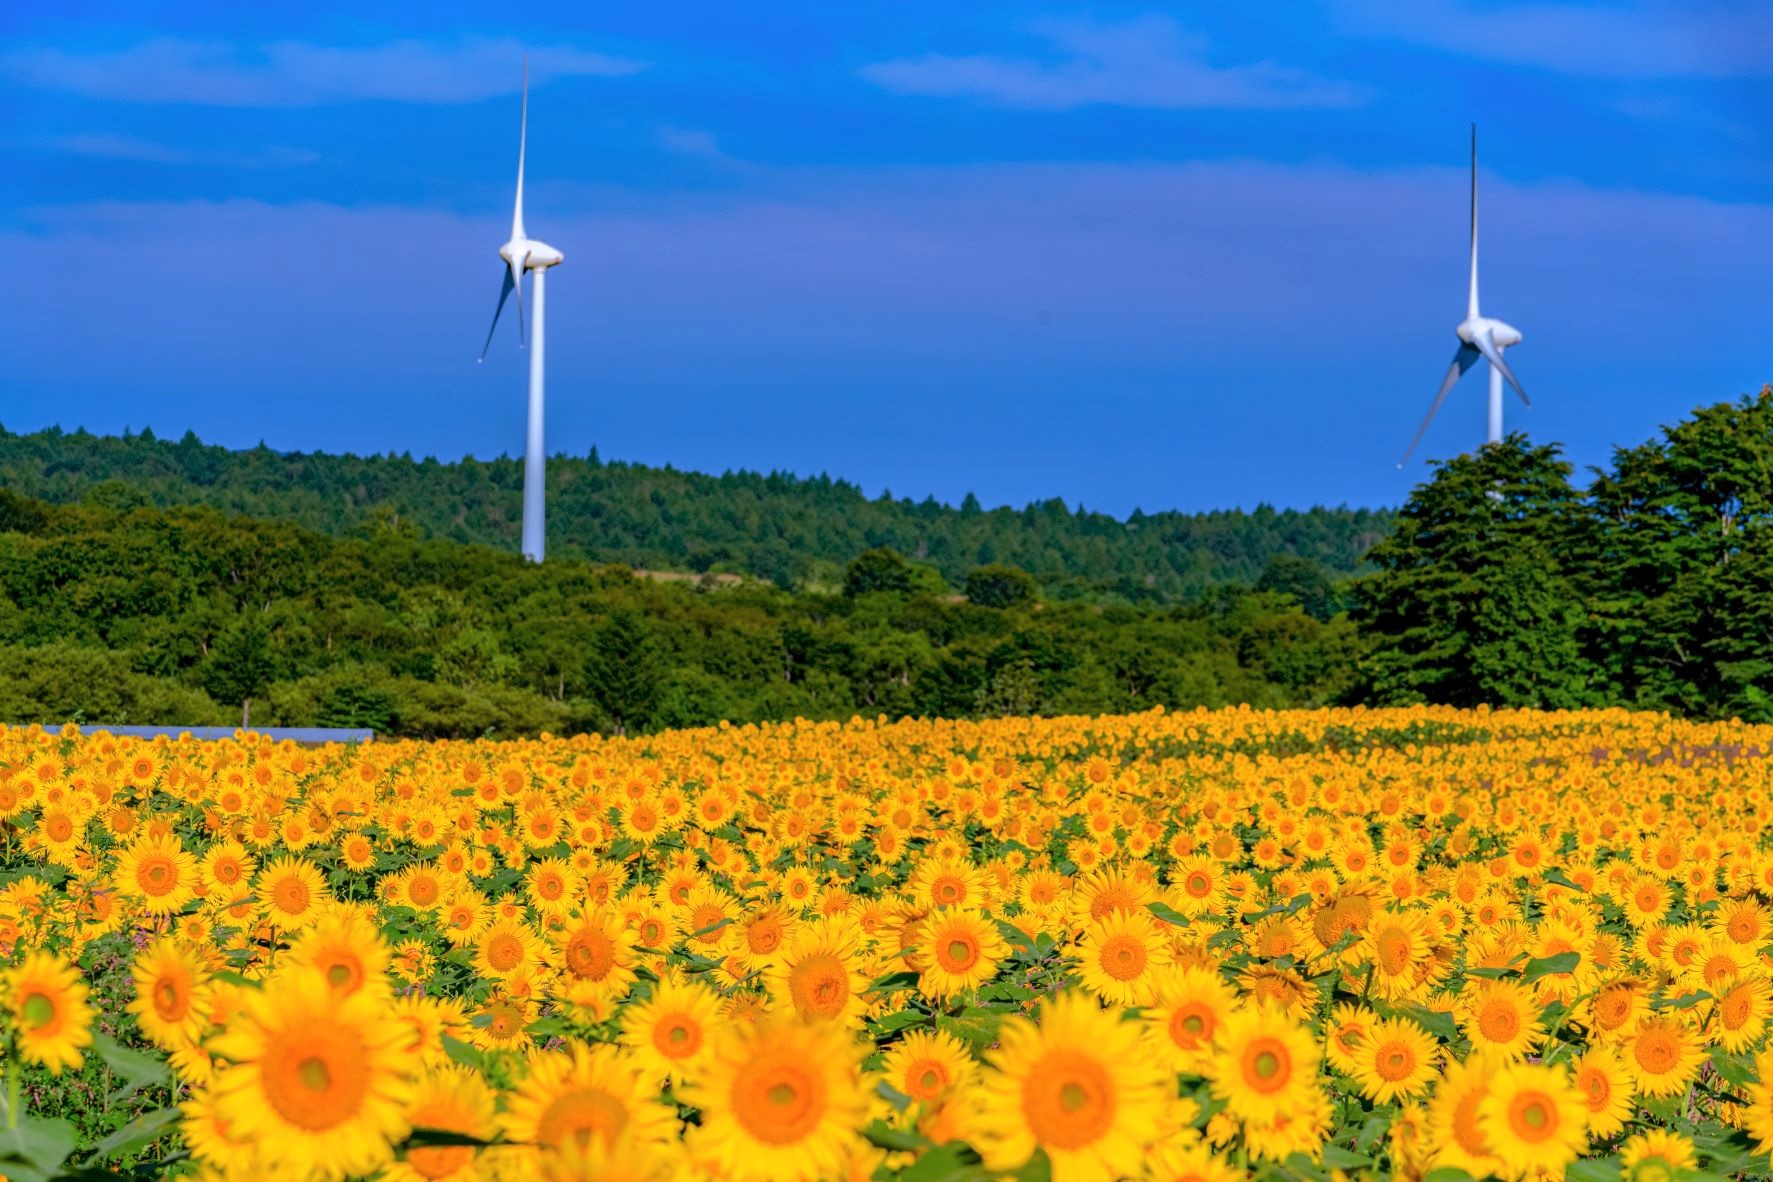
1416, 944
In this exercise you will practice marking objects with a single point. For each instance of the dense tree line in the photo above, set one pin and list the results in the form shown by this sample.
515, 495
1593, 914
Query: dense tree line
119, 611
1652, 587
795, 532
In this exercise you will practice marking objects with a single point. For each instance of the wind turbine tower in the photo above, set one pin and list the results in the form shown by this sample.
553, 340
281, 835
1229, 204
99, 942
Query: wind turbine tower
522, 253
1479, 336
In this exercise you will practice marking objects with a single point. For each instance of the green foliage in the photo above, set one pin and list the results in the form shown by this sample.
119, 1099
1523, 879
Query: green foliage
999, 586
183, 615
777, 528
1654, 588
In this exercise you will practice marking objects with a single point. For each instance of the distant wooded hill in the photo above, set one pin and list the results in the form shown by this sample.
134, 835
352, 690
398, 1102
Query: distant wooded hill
790, 530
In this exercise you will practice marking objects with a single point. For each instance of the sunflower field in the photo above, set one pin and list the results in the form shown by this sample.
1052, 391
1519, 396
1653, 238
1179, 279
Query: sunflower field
1416, 944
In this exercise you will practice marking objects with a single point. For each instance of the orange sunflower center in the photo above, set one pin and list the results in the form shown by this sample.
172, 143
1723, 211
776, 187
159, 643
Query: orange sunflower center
1123, 957
1394, 951
957, 952
422, 890
290, 894
948, 890
504, 952
677, 1036
590, 954
1191, 1025
1655, 1051
765, 935
1394, 1061
777, 1101
819, 985
580, 1114
315, 1077
925, 1079
157, 875
226, 871
1068, 1100
172, 1001
1267, 1065
1499, 1021
1532, 1116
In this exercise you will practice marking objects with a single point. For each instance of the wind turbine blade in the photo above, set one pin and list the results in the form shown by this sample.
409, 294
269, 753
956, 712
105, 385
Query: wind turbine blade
1463, 360
514, 277
505, 290
522, 143
1471, 306
1486, 344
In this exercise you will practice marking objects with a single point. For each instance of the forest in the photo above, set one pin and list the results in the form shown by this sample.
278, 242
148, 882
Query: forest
794, 532
1501, 581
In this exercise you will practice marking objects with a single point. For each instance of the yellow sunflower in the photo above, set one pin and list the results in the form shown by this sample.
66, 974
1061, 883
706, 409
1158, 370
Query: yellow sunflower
171, 1001
1601, 1080
586, 1094
46, 1001
671, 1032
345, 948
1120, 955
1264, 1064
1744, 1007
1662, 1055
158, 874
1533, 1118
1075, 1085
1458, 1138
819, 976
291, 892
926, 1065
596, 957
1396, 1058
1657, 1155
779, 1101
1187, 1007
1396, 947
1500, 1018
957, 950
325, 1078
505, 949
452, 1099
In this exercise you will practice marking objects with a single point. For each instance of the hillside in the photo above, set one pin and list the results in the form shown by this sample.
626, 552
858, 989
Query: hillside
183, 615
787, 529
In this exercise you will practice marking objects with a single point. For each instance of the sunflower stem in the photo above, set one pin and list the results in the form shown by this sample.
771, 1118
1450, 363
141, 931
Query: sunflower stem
12, 1090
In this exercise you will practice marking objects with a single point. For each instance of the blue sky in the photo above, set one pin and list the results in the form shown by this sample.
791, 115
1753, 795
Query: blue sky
1129, 254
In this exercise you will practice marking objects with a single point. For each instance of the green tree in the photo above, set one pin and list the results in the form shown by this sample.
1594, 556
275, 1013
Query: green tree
240, 665
623, 674
1304, 580
880, 570
999, 586
1471, 603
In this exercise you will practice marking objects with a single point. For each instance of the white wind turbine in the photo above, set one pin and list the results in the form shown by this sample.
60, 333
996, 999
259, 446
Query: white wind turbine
1479, 336
523, 253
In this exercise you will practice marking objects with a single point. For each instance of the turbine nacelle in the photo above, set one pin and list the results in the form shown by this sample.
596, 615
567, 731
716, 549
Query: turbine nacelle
534, 253
1473, 328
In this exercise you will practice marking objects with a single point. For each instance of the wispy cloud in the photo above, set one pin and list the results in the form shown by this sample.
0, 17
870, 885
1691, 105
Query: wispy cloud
1147, 62
1650, 39
111, 146
296, 74
692, 141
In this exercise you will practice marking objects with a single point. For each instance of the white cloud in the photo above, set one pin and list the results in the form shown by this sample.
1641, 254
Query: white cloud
691, 141
111, 146
1147, 62
294, 74
1642, 40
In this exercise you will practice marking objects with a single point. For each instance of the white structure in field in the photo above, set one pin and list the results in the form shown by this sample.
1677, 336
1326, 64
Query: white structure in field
1479, 336
523, 253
